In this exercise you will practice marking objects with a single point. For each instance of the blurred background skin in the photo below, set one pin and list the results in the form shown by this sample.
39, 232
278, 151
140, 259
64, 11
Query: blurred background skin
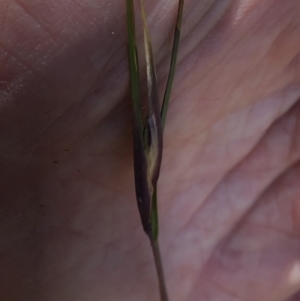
229, 194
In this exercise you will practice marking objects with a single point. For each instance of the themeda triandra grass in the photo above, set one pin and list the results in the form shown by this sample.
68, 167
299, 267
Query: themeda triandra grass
148, 131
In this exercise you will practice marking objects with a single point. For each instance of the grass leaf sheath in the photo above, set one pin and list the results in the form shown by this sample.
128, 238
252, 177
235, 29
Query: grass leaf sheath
148, 131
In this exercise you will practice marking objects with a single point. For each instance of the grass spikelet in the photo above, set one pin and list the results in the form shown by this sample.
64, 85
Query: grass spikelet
147, 134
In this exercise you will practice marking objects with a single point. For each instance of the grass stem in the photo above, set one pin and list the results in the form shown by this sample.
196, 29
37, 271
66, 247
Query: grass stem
160, 271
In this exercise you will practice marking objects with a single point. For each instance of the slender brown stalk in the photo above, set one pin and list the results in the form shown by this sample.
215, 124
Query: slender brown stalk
160, 271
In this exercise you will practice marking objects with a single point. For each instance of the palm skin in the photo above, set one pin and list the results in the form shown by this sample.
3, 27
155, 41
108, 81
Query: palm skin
229, 185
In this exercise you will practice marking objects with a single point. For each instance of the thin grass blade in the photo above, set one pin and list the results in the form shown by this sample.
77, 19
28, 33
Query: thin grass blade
172, 68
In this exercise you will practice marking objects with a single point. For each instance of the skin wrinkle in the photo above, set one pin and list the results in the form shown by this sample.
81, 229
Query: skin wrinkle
16, 22
293, 163
293, 134
238, 229
61, 117
227, 291
204, 11
121, 146
278, 42
206, 132
293, 66
99, 79
242, 10
49, 32
201, 44
219, 177
286, 234
64, 113
221, 252
256, 206
247, 119
287, 28
42, 135
103, 119
78, 33
239, 41
202, 279
48, 26
214, 247
220, 117
273, 178
95, 86
248, 70
103, 184
215, 285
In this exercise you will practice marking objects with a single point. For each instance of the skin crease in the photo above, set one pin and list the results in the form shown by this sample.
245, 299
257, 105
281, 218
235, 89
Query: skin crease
229, 191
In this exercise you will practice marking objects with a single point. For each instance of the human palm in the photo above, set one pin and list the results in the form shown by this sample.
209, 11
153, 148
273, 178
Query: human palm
229, 186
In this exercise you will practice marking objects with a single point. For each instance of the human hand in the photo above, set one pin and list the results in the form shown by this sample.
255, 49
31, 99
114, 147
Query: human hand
229, 185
